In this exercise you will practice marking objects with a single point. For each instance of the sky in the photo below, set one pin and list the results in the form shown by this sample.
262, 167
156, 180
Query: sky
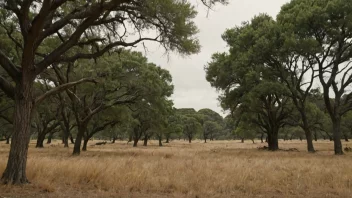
191, 88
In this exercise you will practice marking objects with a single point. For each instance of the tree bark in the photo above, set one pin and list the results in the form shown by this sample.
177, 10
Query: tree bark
15, 172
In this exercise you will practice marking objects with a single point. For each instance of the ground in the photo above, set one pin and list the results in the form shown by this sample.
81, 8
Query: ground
180, 169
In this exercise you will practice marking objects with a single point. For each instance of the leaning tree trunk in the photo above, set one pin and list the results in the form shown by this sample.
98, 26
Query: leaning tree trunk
40, 140
336, 125
15, 172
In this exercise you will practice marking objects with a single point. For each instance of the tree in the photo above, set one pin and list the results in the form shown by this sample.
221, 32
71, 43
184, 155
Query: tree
93, 24
324, 26
212, 123
191, 127
247, 84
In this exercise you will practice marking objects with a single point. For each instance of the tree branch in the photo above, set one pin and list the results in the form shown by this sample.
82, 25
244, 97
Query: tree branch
61, 88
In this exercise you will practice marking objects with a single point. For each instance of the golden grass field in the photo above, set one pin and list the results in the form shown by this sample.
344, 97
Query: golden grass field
180, 169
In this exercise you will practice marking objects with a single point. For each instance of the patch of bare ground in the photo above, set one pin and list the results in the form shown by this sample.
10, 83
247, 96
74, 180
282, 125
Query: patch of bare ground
180, 169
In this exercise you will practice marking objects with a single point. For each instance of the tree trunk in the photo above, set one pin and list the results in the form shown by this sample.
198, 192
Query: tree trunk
253, 141
15, 172
300, 138
242, 140
266, 139
273, 140
336, 123
7, 140
78, 142
160, 144
40, 140
145, 141
167, 139
71, 139
85, 142
205, 139
135, 142
113, 139
49, 138
190, 139
262, 137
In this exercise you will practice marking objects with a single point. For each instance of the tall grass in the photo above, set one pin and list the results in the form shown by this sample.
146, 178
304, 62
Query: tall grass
215, 169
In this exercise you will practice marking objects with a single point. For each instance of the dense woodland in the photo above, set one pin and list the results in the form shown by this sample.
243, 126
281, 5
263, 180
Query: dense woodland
69, 71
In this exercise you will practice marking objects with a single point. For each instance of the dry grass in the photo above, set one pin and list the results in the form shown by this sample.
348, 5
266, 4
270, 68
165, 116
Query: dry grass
179, 169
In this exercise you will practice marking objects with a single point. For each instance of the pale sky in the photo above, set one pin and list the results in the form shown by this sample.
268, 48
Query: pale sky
191, 88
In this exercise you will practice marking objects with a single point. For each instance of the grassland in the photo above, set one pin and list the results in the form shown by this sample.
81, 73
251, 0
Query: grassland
180, 169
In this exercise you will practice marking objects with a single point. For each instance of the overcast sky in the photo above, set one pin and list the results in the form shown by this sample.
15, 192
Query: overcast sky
191, 88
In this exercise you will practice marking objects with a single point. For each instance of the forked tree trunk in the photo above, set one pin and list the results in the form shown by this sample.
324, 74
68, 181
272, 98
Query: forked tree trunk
15, 172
